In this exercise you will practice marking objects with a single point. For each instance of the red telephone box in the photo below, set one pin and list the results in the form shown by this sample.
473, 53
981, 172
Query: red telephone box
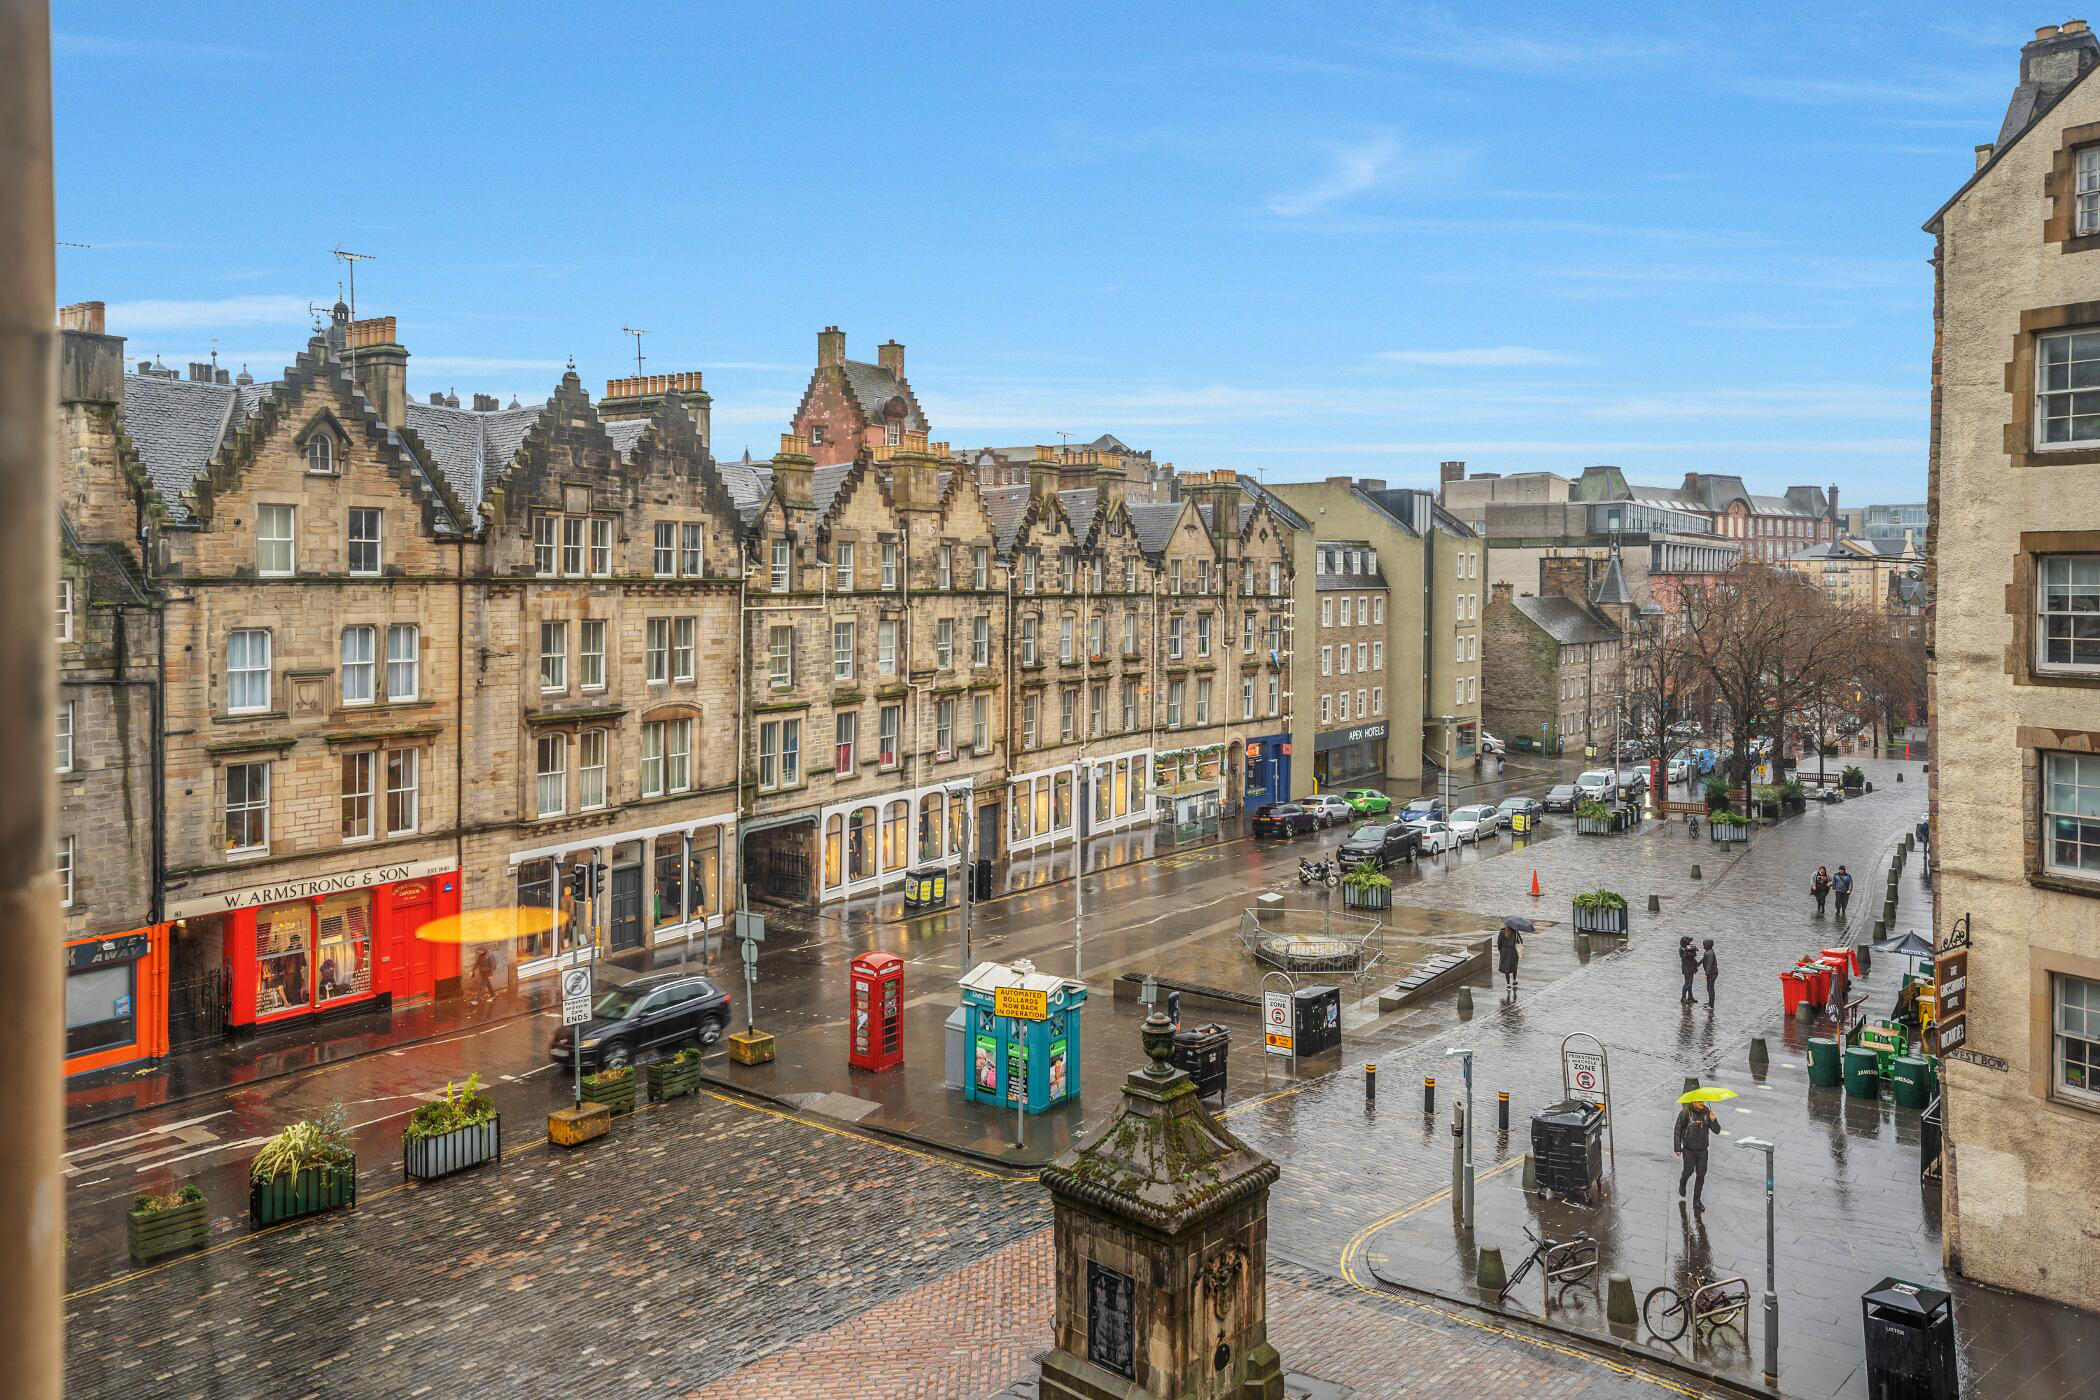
877, 990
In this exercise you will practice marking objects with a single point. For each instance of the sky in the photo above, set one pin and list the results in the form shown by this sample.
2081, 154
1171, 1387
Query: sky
1294, 240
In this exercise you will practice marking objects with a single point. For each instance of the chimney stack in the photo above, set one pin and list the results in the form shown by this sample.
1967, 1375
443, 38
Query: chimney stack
791, 469
90, 363
2055, 58
1109, 482
1452, 471
1042, 474
382, 367
1837, 521
890, 355
831, 347
484, 403
638, 395
82, 316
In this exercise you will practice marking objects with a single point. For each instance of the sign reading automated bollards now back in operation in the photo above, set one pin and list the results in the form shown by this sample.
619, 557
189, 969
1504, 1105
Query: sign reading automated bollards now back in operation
1162, 1236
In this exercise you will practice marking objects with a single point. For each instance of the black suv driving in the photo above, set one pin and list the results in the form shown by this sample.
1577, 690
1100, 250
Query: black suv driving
649, 1016
1284, 819
1378, 846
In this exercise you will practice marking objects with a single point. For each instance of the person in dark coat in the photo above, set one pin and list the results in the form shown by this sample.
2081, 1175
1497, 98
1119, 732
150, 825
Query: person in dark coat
1843, 885
1696, 1127
1688, 964
1507, 943
1819, 888
1710, 964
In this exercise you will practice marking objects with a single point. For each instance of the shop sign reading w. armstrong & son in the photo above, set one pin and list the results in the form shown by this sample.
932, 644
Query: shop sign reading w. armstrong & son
256, 896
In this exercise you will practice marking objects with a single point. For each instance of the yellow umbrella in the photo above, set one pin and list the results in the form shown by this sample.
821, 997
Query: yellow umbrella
1706, 1095
492, 925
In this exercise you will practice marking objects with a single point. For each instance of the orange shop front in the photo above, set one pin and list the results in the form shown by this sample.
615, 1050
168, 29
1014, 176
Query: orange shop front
301, 948
116, 987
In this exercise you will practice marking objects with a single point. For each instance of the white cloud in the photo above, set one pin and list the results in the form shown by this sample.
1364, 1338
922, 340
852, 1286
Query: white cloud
67, 45
1490, 356
1358, 167
144, 317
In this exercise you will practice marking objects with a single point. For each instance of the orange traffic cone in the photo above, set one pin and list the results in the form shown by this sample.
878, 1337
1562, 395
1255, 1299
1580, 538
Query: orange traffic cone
1534, 882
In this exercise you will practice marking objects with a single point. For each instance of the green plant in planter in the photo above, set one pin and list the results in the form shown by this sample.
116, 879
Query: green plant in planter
1590, 810
1764, 792
607, 1078
317, 1144
1596, 901
1791, 790
1364, 878
1726, 818
690, 1055
1853, 776
146, 1204
464, 1106
1717, 792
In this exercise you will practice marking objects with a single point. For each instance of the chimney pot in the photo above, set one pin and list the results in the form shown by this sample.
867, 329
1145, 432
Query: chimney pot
2047, 31
2073, 26
831, 346
890, 355
82, 316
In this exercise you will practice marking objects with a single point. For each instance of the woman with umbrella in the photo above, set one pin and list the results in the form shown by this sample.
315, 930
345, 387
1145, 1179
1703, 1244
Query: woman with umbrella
1696, 1124
1507, 943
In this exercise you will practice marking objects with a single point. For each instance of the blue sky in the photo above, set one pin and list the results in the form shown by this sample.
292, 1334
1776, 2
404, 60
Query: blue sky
1291, 240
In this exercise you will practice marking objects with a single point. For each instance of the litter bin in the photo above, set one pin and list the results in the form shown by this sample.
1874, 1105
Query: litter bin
955, 1054
1567, 1148
1907, 1081
1794, 988
1318, 1017
1910, 1342
1862, 1072
1201, 1051
1824, 1067
925, 888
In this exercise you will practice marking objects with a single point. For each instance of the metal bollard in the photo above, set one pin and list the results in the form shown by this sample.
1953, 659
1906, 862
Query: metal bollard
1759, 1056
1370, 1084
1655, 904
1502, 1111
1429, 1095
1695, 872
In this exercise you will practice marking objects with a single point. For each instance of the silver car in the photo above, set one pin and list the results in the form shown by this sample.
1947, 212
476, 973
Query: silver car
1331, 808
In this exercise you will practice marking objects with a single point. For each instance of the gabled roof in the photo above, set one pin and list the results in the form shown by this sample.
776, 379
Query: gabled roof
1154, 525
2041, 109
469, 448
1566, 621
749, 484
1006, 505
177, 425
873, 387
824, 484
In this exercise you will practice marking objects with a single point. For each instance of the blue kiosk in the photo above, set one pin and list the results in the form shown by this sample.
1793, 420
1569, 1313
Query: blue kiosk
1036, 1061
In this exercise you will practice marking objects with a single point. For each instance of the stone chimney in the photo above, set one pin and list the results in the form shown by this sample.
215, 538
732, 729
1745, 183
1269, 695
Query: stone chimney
1837, 521
791, 469
1220, 490
1565, 576
82, 316
831, 346
90, 364
638, 395
1499, 593
1984, 154
484, 403
1109, 482
915, 473
2055, 58
381, 363
1450, 471
890, 355
1043, 473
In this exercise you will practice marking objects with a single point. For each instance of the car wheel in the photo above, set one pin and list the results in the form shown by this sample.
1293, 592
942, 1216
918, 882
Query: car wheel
615, 1056
711, 1031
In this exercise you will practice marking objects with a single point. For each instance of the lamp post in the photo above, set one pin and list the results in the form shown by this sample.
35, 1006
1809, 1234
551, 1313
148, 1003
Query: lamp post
1771, 1276
966, 794
1466, 1065
1447, 721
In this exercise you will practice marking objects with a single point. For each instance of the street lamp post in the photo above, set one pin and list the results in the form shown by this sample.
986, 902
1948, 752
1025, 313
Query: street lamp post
1771, 1274
966, 794
1466, 1195
1448, 721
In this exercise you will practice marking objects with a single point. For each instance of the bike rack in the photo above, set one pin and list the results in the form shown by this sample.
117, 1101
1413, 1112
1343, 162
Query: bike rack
1723, 1303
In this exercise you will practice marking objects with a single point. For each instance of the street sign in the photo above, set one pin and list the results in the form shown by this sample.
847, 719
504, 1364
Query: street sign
1586, 1075
750, 927
1276, 1021
575, 995
1021, 1003
750, 951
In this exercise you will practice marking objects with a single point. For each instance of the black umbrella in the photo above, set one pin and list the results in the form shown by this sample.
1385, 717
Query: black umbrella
1910, 945
1519, 923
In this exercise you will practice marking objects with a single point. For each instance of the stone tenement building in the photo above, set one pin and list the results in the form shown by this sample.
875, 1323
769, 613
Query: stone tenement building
411, 659
1349, 742
1145, 481
2014, 623
1554, 670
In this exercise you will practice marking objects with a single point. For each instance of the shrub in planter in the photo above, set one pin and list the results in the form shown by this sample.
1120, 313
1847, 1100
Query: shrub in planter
160, 1226
675, 1077
458, 1131
307, 1168
1791, 795
1853, 778
612, 1087
1728, 826
1593, 818
1766, 798
1600, 911
1716, 794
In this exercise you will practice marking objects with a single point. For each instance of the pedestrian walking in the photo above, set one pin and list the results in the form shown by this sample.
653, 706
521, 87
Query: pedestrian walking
1710, 964
1819, 888
1842, 884
484, 977
1507, 943
1696, 1124
1688, 964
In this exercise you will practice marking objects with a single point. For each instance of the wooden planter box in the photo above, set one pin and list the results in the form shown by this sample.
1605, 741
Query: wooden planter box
1722, 834
618, 1097
1589, 826
310, 1192
428, 1158
1611, 921
157, 1234
669, 1081
1355, 898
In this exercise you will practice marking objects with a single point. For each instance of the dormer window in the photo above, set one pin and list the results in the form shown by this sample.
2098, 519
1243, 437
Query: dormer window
320, 454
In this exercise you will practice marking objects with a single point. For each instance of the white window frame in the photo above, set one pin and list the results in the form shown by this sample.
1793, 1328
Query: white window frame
65, 610
684, 647
663, 555
404, 773
656, 650
65, 737
2045, 397
981, 640
783, 566
64, 868
590, 653
591, 790
886, 643
353, 668
2087, 192
253, 803
376, 519
944, 643
2079, 1023
250, 670
573, 555
845, 742
843, 555
320, 455
357, 769
404, 662
692, 549
2071, 616
2082, 787
554, 664
843, 635
780, 657
550, 783
890, 555
546, 545
601, 546
270, 515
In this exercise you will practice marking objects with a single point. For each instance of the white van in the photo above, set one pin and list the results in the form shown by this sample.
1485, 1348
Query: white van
1596, 785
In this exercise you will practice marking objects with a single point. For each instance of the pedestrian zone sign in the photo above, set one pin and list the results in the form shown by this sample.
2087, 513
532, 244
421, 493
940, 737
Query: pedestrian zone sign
1021, 1003
1585, 1074
575, 996
1276, 1021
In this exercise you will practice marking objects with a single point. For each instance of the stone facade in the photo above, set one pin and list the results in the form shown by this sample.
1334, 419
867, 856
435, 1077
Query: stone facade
1352, 728
1553, 668
2016, 720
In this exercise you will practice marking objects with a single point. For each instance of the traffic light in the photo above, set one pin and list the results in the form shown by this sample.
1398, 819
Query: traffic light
576, 882
597, 869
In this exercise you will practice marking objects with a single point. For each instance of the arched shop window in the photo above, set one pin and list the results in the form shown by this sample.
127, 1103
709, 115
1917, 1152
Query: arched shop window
896, 821
343, 953
860, 844
932, 811
834, 836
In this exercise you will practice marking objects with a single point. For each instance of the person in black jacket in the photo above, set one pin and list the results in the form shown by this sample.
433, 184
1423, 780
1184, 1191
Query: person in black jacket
1696, 1125
1711, 966
1688, 964
1819, 888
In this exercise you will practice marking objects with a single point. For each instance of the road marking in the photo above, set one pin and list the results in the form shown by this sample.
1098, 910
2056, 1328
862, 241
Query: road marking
1353, 1252
150, 1132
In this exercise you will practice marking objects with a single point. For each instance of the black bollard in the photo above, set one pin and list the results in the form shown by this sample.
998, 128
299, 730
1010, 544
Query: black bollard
1502, 1111
1429, 1095
1370, 1084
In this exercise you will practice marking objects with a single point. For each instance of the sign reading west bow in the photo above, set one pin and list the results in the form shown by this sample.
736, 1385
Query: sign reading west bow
309, 887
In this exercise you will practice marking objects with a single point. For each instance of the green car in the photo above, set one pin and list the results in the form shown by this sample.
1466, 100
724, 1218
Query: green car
1368, 802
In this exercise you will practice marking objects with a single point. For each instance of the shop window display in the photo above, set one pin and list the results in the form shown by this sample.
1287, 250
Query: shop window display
100, 1012
282, 934
344, 948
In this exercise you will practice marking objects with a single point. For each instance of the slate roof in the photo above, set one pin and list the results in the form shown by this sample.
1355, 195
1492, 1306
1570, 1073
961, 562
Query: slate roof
824, 485
468, 447
1154, 524
1005, 505
748, 483
177, 425
1611, 589
113, 578
875, 386
1566, 621
1079, 506
625, 433
1908, 592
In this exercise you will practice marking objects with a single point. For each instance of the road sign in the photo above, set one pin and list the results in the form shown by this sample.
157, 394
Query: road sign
575, 995
750, 927
1276, 1022
1021, 1003
1586, 1075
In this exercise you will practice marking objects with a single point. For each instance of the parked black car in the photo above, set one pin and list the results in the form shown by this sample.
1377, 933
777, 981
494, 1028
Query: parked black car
1283, 819
1526, 806
1379, 845
649, 1016
1561, 799
1633, 781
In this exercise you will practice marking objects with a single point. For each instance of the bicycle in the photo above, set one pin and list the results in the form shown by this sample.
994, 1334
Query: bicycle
1566, 1262
1713, 1305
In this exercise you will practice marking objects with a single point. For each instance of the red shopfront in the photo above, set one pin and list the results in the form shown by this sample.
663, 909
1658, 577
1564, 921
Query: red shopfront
116, 995
310, 947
